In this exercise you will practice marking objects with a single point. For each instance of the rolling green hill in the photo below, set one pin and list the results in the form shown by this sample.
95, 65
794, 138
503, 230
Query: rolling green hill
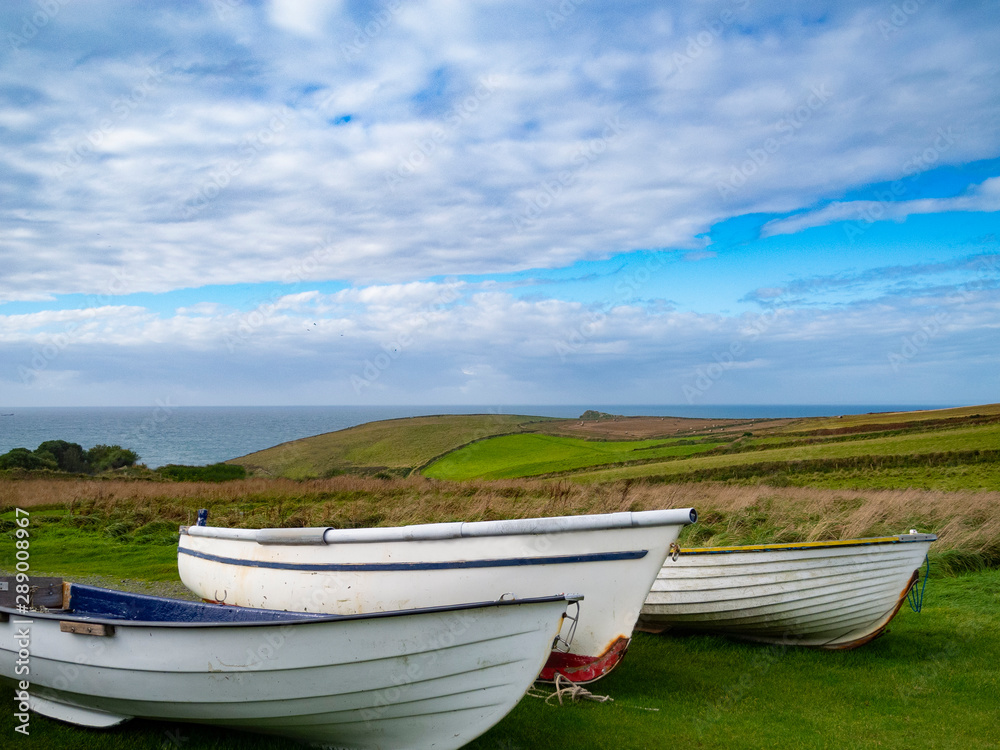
392, 447
899, 446
937, 449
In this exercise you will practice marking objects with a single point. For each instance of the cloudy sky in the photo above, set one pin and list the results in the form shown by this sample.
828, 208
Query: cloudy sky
481, 202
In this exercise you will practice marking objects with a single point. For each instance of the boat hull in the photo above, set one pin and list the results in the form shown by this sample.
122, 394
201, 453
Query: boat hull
610, 559
833, 595
427, 678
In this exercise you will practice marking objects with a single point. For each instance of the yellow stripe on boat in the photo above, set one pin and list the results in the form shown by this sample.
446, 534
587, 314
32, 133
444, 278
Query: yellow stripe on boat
792, 545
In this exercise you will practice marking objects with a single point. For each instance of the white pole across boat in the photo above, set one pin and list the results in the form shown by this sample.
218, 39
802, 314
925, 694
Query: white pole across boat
612, 559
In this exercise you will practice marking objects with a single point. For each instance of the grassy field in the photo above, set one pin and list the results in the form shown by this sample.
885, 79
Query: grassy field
853, 421
913, 446
527, 455
966, 441
95, 527
391, 448
930, 683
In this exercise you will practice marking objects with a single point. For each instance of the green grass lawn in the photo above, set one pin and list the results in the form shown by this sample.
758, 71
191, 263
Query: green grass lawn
931, 682
948, 478
533, 454
526, 455
83, 545
986, 437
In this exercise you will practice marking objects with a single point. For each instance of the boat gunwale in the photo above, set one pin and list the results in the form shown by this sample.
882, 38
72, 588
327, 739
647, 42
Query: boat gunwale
321, 535
281, 618
832, 544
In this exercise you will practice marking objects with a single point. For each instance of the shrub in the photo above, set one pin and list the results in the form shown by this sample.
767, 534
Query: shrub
108, 457
69, 457
210, 473
22, 458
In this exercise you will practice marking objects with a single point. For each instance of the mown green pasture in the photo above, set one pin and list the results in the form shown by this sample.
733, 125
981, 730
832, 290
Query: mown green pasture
527, 455
955, 458
931, 682
966, 439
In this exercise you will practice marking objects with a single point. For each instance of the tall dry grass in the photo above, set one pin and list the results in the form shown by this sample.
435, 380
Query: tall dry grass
967, 523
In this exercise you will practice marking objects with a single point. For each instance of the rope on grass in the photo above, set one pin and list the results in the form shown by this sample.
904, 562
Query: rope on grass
573, 692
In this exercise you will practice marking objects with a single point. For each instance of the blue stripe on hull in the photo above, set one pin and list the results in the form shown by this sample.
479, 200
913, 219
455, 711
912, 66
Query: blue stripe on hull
455, 565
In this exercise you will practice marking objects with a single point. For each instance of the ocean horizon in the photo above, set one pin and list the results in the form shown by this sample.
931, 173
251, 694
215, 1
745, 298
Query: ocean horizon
201, 435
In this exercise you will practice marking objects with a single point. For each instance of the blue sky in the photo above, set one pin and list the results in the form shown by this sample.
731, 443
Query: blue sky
303, 202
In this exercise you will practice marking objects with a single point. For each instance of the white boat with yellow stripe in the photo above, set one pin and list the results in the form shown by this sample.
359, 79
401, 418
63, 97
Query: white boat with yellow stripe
834, 595
611, 559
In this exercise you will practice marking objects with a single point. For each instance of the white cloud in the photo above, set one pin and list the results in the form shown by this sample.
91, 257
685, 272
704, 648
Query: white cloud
984, 197
503, 349
195, 176
303, 17
385, 148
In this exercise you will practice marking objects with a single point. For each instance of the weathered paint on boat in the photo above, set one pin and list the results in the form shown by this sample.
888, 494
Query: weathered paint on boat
416, 679
835, 595
611, 559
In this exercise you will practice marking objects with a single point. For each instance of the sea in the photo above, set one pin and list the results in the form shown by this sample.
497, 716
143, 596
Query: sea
201, 435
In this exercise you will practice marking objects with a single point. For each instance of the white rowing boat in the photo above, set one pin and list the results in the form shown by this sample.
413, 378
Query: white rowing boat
611, 559
418, 679
835, 595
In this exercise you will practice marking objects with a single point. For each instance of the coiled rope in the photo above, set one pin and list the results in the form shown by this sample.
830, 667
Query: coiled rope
565, 687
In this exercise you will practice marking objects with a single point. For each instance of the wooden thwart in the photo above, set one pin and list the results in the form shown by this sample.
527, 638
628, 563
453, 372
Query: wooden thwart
86, 628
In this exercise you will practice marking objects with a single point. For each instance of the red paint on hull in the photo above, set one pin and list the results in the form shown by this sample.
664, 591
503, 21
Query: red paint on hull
583, 669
